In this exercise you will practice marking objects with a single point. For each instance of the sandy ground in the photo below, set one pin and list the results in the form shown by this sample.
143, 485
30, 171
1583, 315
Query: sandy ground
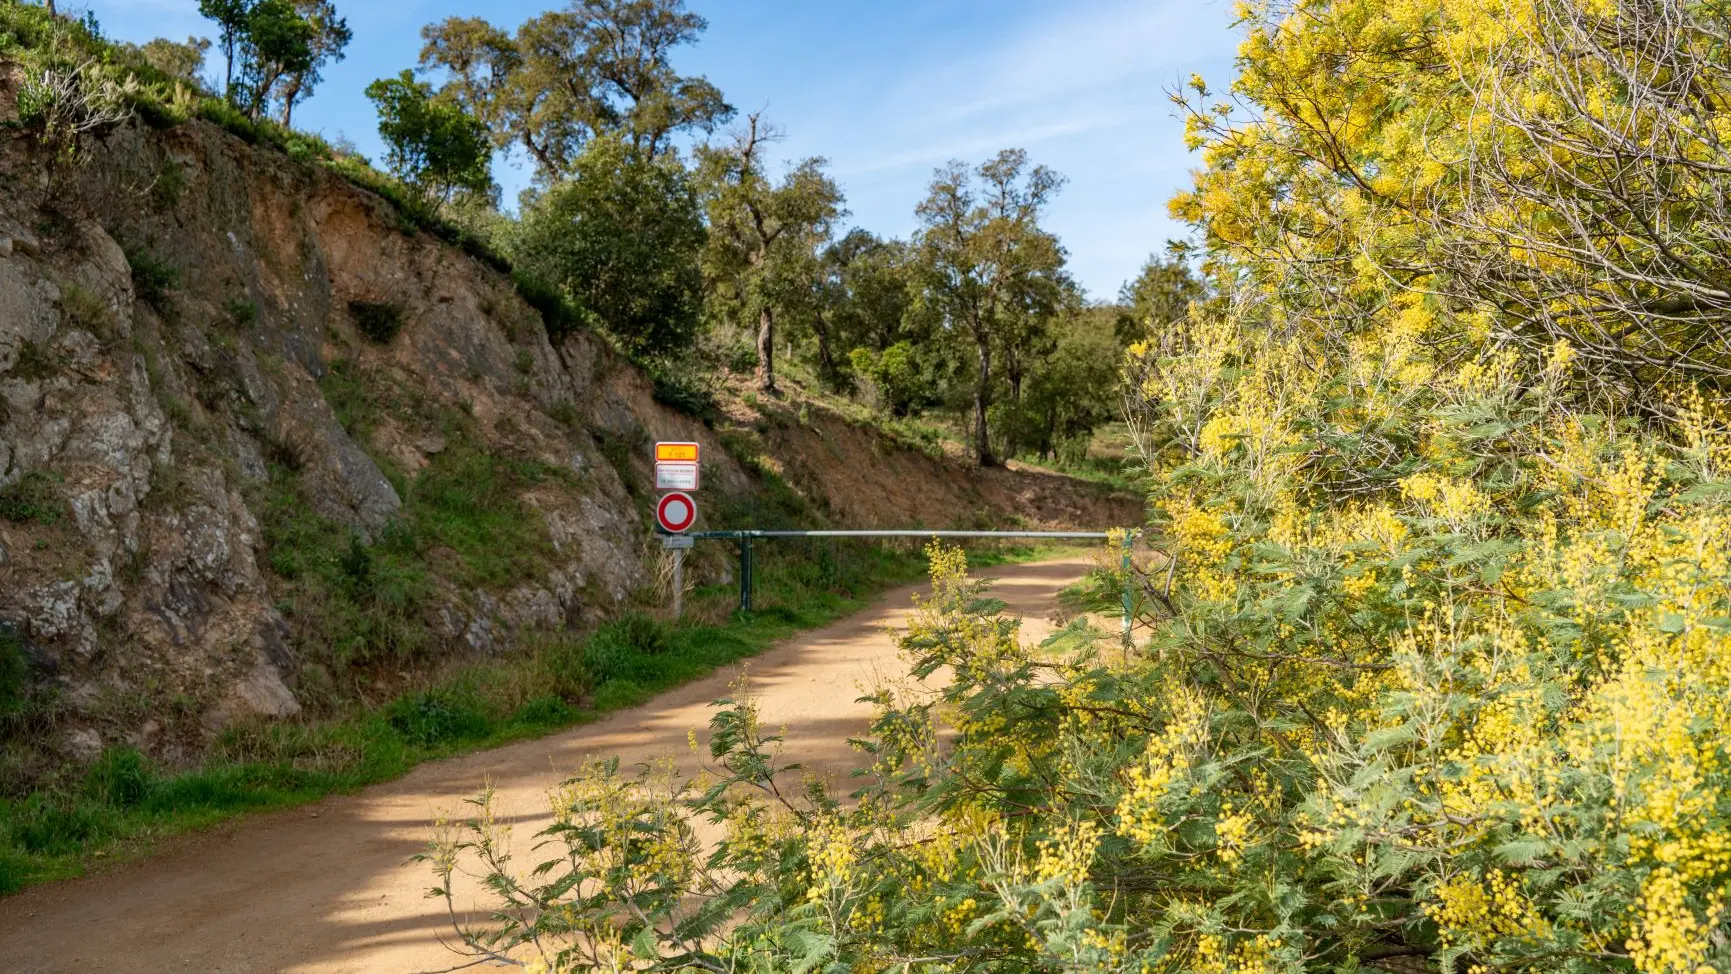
328, 888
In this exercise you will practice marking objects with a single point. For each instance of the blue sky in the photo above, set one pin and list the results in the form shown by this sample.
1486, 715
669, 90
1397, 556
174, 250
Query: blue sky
887, 90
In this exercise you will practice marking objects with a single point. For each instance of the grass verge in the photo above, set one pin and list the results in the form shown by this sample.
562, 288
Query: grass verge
123, 805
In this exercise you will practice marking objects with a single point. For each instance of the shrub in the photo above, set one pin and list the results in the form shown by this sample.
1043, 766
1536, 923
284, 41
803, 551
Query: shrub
561, 668
620, 649
378, 322
59, 105
623, 237
14, 671
560, 316
683, 388
432, 719
35, 362
83, 309
32, 498
169, 187
242, 312
152, 279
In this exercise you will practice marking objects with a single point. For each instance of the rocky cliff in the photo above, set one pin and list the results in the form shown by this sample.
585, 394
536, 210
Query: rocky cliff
255, 433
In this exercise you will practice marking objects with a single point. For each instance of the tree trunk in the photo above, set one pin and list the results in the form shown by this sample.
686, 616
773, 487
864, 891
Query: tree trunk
983, 401
766, 350
51, 11
825, 357
291, 92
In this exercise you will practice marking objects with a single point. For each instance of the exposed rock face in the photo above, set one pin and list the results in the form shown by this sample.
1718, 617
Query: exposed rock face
180, 364
141, 430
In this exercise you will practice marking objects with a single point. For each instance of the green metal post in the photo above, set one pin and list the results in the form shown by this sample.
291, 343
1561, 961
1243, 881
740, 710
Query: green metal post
1128, 568
745, 573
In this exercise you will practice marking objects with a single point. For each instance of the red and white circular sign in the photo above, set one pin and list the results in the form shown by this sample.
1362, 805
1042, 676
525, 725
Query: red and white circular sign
676, 513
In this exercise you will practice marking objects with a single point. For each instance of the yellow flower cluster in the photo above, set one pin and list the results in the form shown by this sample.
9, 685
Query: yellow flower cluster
1671, 936
956, 917
1067, 856
1251, 955
1165, 761
832, 857
1476, 910
1232, 832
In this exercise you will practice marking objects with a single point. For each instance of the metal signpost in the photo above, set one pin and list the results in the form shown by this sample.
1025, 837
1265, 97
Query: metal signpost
676, 472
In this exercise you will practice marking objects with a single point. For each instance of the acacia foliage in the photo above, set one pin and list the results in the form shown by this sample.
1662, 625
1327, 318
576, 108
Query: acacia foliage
1438, 673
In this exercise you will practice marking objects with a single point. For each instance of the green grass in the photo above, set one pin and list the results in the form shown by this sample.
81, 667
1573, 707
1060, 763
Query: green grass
1113, 472
123, 805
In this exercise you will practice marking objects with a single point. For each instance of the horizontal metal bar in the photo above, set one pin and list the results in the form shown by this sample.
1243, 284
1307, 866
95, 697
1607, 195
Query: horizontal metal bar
736, 535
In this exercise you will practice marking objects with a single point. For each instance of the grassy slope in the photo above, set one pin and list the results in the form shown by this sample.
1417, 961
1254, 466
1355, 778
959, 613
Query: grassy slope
122, 806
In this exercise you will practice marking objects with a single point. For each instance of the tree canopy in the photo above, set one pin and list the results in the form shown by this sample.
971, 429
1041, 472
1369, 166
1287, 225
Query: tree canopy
567, 76
431, 142
623, 238
988, 268
765, 232
330, 35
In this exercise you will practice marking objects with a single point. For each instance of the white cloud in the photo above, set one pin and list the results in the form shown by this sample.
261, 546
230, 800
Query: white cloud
1082, 88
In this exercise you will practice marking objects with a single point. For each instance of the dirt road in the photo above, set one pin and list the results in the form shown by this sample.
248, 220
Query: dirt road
328, 888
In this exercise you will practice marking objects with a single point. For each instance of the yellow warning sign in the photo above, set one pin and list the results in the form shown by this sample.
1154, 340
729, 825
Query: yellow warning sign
676, 452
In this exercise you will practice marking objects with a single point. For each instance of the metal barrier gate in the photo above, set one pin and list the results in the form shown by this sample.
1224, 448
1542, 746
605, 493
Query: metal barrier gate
745, 539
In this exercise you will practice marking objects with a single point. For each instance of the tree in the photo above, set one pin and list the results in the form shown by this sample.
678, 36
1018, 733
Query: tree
432, 143
1160, 295
330, 35
764, 234
278, 43
1073, 389
231, 21
988, 268
624, 239
864, 296
566, 76
183, 61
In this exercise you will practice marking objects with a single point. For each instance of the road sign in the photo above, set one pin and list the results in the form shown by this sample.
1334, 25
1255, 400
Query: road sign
674, 542
669, 452
675, 475
676, 466
676, 512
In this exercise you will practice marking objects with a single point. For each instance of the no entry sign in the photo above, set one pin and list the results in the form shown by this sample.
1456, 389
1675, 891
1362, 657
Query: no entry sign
676, 513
